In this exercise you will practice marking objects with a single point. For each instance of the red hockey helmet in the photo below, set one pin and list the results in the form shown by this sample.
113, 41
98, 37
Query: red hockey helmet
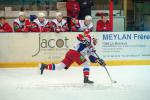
80, 37
86, 31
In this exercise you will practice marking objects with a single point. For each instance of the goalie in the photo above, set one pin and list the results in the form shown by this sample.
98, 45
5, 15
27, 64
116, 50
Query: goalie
78, 54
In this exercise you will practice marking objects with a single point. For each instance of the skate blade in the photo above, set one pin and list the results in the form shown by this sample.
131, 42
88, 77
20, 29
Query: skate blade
88, 84
39, 68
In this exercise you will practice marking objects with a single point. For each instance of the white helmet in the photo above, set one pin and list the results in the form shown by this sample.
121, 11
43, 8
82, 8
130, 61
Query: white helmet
88, 18
21, 13
41, 14
59, 14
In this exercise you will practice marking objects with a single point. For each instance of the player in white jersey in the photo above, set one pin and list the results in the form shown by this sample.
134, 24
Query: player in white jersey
41, 24
59, 24
82, 25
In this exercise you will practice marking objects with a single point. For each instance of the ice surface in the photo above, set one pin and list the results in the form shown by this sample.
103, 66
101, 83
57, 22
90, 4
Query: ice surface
28, 84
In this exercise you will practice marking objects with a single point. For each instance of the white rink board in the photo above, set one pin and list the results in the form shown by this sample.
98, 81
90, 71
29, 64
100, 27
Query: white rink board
124, 45
34, 47
51, 47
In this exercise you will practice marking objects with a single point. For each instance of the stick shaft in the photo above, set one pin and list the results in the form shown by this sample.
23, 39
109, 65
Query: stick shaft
105, 68
108, 73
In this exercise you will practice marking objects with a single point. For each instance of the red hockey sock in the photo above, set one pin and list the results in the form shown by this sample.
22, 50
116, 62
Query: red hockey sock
51, 67
86, 72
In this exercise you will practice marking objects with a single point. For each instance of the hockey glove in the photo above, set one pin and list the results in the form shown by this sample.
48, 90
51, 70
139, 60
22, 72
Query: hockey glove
101, 62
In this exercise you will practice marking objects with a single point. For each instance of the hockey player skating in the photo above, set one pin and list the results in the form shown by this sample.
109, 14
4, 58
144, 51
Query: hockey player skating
78, 54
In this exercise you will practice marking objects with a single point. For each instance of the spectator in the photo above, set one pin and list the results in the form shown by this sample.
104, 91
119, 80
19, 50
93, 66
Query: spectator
103, 24
82, 25
85, 8
4, 26
73, 9
41, 24
22, 24
59, 24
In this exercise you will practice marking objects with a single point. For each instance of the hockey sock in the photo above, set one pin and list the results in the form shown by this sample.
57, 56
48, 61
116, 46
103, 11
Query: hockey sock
59, 66
51, 67
86, 72
86, 69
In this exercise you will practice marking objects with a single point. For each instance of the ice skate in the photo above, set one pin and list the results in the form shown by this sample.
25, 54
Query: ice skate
42, 67
87, 81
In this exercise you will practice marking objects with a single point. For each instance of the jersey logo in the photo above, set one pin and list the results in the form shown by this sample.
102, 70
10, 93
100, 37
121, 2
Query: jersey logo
82, 58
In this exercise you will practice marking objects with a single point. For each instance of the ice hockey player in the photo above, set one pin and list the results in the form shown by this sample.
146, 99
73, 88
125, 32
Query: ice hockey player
73, 9
82, 25
4, 25
59, 24
22, 24
78, 54
41, 24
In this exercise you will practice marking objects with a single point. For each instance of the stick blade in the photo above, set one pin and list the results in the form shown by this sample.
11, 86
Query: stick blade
114, 81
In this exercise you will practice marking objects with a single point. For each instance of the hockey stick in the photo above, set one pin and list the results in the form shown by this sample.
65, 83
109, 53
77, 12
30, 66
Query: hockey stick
112, 81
